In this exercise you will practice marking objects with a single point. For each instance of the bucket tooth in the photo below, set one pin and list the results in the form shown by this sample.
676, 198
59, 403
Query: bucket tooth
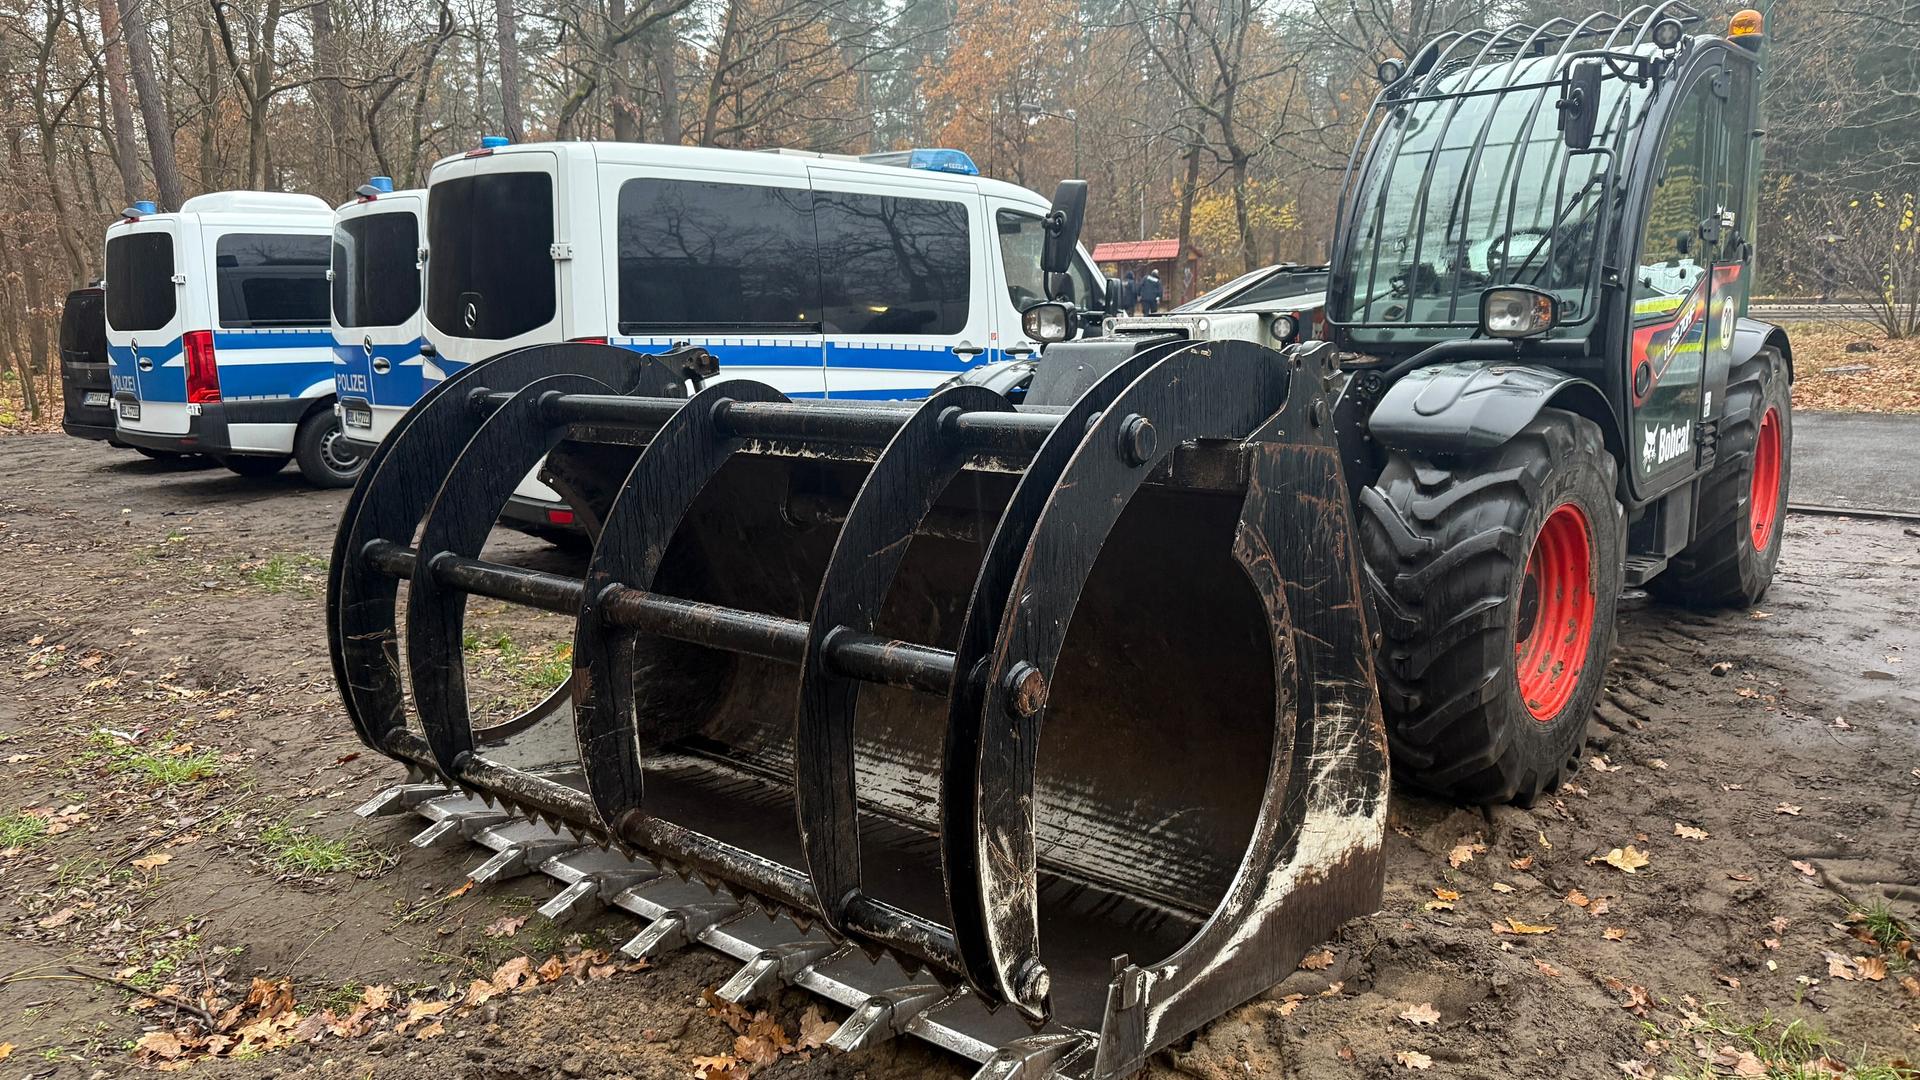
467, 823
518, 861
1032, 1058
678, 928
772, 969
398, 799
884, 1016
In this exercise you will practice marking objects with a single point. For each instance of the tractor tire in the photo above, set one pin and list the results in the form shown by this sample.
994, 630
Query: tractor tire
1742, 512
1495, 580
320, 448
255, 466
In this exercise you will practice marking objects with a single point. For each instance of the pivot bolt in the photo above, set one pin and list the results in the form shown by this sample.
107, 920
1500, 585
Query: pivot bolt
1032, 985
1138, 440
1026, 690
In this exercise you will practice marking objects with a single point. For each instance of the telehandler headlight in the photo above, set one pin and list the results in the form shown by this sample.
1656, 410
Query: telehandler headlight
1515, 312
1048, 322
1284, 327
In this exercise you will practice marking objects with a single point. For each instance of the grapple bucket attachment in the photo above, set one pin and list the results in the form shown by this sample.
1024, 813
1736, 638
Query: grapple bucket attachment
1044, 733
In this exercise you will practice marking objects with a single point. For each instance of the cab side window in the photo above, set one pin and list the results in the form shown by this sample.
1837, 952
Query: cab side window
1672, 259
1021, 236
892, 265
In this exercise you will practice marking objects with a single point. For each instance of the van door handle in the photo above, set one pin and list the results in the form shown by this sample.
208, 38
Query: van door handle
964, 349
382, 365
1019, 350
429, 350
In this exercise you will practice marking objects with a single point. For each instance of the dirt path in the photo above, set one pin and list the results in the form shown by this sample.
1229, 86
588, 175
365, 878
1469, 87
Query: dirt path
165, 691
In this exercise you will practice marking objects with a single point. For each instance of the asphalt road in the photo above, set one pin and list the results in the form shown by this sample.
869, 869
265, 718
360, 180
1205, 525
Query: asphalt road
1855, 461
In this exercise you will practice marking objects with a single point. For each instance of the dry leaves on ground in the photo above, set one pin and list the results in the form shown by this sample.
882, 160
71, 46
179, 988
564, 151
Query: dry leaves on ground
1688, 832
1413, 1059
760, 1039
1319, 961
1421, 1015
1826, 375
1629, 859
1463, 853
1514, 926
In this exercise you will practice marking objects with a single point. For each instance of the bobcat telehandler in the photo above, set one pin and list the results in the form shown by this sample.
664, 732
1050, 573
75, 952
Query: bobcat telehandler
1049, 733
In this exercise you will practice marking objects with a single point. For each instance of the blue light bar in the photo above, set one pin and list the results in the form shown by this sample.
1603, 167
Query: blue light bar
381, 184
491, 142
932, 159
146, 207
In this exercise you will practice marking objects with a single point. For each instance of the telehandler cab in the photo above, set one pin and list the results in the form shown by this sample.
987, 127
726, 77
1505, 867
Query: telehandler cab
1048, 733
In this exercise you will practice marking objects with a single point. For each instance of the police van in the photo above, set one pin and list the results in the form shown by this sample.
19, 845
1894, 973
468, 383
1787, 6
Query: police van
217, 333
821, 275
381, 360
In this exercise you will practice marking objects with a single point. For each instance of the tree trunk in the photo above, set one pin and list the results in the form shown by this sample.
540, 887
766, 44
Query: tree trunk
260, 96
417, 117
329, 66
153, 105
626, 119
126, 152
1242, 226
209, 126
667, 76
507, 29
1189, 190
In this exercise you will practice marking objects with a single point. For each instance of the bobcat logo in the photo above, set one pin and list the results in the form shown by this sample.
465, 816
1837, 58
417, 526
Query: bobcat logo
1664, 444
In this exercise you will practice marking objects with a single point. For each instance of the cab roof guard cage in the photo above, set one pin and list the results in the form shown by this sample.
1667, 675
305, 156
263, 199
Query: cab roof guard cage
1501, 63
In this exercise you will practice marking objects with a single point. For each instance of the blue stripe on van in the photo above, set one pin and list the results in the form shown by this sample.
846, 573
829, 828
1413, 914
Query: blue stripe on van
400, 387
272, 339
283, 379
893, 357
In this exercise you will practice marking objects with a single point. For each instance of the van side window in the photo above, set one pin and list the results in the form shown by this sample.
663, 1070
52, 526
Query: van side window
891, 265
140, 281
271, 280
697, 254
490, 255
1021, 237
376, 272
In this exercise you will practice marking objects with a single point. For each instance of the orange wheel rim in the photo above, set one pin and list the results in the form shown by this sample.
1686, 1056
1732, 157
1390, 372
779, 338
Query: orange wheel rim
1555, 624
1764, 504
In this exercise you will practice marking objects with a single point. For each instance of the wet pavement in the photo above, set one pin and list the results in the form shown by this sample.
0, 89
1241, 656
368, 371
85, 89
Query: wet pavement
1855, 461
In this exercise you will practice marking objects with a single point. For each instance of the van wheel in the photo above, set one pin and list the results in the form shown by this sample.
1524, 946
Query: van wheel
254, 466
1494, 578
321, 449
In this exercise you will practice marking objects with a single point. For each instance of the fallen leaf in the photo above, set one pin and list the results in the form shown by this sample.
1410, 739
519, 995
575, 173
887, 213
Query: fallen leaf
1629, 859
551, 968
1688, 832
1911, 985
376, 997
57, 919
1840, 967
479, 991
1290, 1003
1787, 808
1463, 853
153, 861
1614, 933
1502, 887
431, 1030
1438, 905
1637, 1000
1516, 927
1733, 876
1523, 863
1546, 969
461, 891
1657, 763
6, 1051
514, 973
815, 1029
1333, 989
1722, 668
421, 1010
1445, 894
719, 1068
505, 926
1319, 961
1770, 944
1805, 867
1422, 1015
1840, 724
164, 1045
1874, 968
1599, 763
1413, 1059
1577, 898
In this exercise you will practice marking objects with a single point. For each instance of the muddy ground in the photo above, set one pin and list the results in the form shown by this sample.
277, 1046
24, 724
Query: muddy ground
164, 690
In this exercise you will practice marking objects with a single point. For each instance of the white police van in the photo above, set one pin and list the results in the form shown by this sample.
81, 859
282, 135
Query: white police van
821, 275
217, 333
381, 360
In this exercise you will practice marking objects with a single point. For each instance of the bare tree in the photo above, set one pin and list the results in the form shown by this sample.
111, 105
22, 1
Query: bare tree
153, 104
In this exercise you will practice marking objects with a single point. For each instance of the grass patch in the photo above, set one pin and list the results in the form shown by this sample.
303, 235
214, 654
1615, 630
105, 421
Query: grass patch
1784, 1049
297, 573
539, 669
298, 851
21, 830
169, 767
1892, 935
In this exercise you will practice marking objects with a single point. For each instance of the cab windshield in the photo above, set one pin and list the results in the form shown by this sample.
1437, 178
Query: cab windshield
1469, 186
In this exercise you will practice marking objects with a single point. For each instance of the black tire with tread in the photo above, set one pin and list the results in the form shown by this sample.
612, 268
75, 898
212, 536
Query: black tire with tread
1447, 541
309, 451
1721, 568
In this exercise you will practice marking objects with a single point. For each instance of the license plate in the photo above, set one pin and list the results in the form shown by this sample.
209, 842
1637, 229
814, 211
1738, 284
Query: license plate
129, 410
359, 418
93, 397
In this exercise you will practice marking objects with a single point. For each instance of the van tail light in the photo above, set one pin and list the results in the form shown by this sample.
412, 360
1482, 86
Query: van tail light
559, 517
590, 340
203, 377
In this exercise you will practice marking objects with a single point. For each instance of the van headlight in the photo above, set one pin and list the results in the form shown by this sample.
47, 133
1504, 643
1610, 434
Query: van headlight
1512, 311
1048, 322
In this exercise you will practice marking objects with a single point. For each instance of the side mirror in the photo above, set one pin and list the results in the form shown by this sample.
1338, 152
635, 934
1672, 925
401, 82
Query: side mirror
1115, 291
1063, 222
1580, 107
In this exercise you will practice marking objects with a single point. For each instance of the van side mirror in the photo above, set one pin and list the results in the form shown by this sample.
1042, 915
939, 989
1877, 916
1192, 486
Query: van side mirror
1580, 106
1063, 222
1115, 291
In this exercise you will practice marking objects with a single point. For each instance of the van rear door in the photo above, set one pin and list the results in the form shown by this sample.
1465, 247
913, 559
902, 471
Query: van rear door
492, 281
377, 291
725, 265
903, 281
146, 315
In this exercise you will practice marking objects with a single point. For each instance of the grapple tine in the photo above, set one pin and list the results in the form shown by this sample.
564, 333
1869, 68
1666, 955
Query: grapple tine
678, 927
398, 799
522, 858
594, 885
885, 1016
774, 968
1032, 1058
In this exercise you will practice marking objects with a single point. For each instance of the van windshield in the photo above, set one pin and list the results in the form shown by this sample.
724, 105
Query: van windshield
376, 270
140, 290
490, 255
